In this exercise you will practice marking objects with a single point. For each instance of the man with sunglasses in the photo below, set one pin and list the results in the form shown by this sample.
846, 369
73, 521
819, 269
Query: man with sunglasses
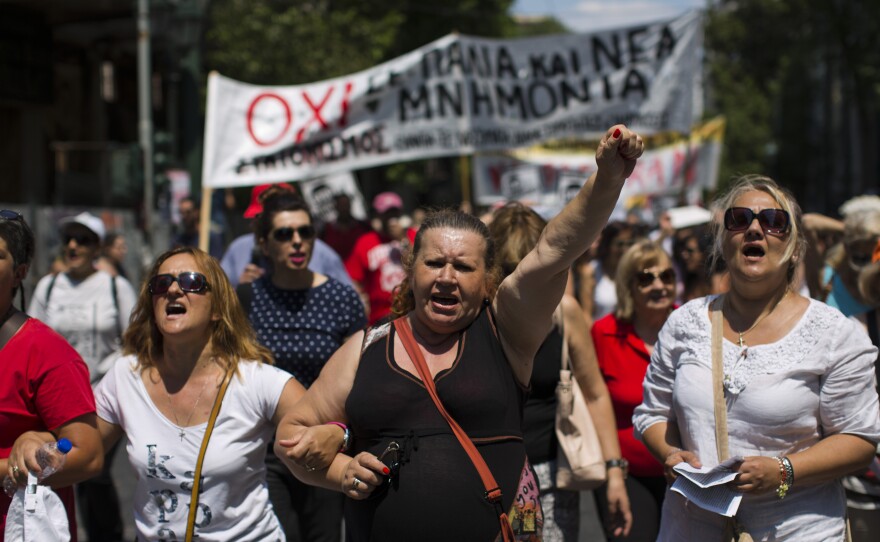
90, 308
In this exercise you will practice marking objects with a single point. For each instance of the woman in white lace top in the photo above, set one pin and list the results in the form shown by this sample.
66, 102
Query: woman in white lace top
802, 410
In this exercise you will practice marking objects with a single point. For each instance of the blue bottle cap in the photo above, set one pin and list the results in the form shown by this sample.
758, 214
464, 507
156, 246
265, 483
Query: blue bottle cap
64, 445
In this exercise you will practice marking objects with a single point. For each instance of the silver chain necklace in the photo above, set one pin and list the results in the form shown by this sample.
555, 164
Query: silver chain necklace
182, 429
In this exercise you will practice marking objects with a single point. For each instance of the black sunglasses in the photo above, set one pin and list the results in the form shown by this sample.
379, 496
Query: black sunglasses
6, 214
391, 458
774, 221
647, 278
189, 281
282, 235
80, 238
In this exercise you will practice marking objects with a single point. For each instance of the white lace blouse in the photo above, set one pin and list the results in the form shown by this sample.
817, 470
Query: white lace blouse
782, 398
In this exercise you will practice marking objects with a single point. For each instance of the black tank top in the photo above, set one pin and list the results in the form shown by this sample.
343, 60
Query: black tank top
437, 493
539, 419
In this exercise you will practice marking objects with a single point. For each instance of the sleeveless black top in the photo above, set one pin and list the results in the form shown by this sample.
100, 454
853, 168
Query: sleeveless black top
539, 418
437, 494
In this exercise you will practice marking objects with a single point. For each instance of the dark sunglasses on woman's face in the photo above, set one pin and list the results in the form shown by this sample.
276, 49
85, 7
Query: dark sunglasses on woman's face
283, 235
6, 214
190, 282
774, 221
80, 238
647, 278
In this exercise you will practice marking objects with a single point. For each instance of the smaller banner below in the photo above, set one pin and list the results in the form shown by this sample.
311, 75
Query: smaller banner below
547, 180
321, 194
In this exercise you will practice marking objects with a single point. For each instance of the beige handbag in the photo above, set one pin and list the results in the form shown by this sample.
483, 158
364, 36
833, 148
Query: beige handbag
580, 463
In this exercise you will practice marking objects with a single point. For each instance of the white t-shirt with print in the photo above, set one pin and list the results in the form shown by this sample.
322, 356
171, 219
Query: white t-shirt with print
234, 500
84, 313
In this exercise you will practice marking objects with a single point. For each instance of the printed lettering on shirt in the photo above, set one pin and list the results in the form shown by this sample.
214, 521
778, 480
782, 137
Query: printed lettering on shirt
378, 255
166, 501
157, 469
167, 535
187, 485
205, 514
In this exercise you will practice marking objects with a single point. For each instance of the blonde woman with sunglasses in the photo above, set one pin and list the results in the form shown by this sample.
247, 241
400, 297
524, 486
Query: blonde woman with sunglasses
797, 380
624, 340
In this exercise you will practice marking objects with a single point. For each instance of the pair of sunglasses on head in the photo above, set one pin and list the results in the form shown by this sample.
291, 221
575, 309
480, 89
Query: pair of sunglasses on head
772, 221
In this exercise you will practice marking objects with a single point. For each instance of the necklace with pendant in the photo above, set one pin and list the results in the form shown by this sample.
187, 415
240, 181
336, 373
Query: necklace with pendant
743, 346
182, 429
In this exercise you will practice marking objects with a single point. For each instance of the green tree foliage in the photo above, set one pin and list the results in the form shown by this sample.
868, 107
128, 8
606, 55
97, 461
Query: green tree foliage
799, 83
275, 42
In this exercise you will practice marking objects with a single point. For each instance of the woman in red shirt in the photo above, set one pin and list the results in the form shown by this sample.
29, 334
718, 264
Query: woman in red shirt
624, 341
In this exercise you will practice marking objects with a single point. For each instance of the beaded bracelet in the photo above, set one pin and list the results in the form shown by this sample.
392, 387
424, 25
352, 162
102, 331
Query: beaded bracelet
784, 480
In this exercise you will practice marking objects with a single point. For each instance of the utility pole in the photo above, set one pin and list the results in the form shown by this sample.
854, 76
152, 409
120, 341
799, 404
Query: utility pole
145, 114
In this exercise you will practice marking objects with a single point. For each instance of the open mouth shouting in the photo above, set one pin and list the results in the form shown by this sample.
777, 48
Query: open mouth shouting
174, 309
443, 302
753, 252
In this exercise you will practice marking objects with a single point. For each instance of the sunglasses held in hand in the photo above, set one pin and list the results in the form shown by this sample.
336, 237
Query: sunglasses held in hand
190, 282
772, 221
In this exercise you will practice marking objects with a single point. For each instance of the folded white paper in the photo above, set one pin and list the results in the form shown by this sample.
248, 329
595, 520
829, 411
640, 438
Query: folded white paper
706, 487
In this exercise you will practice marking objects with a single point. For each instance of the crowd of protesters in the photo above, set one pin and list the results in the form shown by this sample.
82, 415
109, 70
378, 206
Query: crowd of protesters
795, 298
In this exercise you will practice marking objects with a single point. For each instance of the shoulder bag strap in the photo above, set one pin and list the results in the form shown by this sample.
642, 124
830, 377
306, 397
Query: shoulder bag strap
194, 497
11, 326
493, 491
717, 385
560, 324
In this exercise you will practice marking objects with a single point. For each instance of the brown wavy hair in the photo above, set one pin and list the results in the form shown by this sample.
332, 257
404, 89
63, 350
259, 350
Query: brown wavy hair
403, 301
516, 230
232, 337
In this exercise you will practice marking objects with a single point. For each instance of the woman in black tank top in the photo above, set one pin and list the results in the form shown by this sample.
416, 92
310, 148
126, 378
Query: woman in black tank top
408, 477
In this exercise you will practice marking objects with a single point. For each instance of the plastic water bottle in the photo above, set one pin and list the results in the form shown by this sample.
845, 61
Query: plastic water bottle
50, 457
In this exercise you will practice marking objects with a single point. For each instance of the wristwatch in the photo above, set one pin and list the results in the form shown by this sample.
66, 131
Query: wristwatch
622, 463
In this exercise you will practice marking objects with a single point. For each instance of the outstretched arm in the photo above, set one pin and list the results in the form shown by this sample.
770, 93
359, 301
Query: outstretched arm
527, 297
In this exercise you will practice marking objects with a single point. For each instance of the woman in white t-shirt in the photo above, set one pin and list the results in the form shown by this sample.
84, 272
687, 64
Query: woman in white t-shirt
187, 332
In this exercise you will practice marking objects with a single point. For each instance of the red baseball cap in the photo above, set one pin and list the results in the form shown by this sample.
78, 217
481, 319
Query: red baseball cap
256, 206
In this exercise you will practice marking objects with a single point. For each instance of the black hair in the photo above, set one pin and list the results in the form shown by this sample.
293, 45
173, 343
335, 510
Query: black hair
20, 241
278, 203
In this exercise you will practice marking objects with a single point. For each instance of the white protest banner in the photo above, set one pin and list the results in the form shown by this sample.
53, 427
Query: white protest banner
548, 180
457, 95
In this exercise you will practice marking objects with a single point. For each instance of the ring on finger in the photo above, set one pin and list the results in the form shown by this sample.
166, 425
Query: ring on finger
310, 468
15, 470
356, 484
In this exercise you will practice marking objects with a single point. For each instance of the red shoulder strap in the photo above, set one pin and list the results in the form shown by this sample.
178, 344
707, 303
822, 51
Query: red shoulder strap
493, 491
